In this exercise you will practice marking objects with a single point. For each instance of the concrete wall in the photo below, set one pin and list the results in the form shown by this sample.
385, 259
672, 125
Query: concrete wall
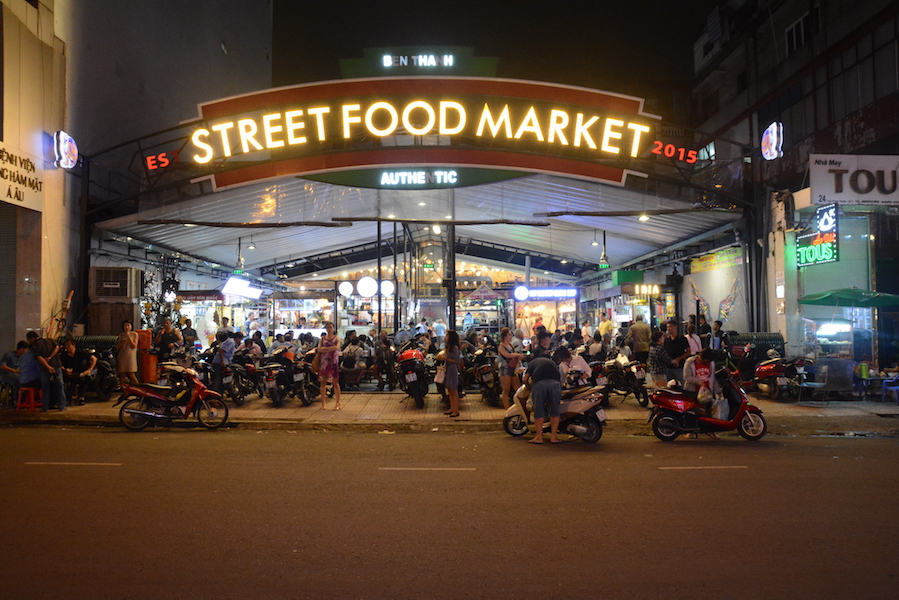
34, 72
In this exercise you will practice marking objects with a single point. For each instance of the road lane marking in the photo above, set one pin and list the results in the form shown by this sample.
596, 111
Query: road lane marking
698, 468
77, 464
427, 469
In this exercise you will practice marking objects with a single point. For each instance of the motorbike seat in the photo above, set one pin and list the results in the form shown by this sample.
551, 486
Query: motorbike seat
272, 366
770, 361
158, 388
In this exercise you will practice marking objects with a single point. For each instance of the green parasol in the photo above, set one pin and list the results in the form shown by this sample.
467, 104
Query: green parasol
851, 298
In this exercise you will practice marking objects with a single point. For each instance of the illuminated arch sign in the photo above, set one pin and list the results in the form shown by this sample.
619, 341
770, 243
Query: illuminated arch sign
422, 127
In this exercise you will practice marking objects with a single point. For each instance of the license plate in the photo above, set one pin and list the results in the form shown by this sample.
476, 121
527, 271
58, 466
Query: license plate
781, 381
162, 382
228, 379
601, 415
298, 377
410, 377
270, 383
201, 376
800, 369
641, 374
602, 381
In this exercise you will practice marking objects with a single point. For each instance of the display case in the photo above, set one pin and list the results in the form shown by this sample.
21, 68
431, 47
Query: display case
832, 338
488, 317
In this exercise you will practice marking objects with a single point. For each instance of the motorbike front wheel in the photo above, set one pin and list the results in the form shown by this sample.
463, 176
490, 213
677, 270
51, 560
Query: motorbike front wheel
299, 390
275, 395
515, 425
665, 428
418, 392
236, 393
642, 395
594, 428
752, 426
133, 422
773, 388
212, 413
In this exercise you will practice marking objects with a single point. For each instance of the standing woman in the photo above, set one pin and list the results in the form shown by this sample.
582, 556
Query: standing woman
329, 363
453, 358
509, 360
126, 360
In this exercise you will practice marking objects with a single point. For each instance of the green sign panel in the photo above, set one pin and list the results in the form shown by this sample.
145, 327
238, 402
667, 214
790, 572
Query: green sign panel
823, 245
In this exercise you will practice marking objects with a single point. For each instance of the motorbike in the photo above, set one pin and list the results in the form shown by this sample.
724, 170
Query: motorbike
277, 371
107, 378
676, 411
580, 410
412, 373
145, 403
627, 377
776, 375
487, 376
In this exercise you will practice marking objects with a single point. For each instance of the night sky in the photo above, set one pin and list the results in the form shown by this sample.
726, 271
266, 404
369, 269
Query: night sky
632, 47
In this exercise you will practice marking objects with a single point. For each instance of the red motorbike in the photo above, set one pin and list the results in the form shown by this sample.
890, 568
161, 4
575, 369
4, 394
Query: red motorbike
676, 411
777, 374
412, 373
185, 395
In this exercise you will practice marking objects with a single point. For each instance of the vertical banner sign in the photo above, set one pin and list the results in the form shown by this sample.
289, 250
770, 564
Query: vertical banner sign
823, 245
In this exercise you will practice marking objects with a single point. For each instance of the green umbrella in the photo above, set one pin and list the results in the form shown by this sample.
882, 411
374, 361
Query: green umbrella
851, 298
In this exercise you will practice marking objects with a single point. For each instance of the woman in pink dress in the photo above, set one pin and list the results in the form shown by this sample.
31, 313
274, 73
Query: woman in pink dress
126, 360
329, 364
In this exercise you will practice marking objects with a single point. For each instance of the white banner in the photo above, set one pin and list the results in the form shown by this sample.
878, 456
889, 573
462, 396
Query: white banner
854, 179
21, 178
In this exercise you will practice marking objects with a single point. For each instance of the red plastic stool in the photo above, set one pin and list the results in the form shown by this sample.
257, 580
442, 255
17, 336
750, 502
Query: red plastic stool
32, 400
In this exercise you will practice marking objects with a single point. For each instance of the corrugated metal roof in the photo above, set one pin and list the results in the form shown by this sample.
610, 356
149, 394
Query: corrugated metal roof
297, 200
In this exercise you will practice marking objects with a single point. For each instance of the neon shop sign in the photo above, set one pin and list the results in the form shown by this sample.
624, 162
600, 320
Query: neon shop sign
822, 246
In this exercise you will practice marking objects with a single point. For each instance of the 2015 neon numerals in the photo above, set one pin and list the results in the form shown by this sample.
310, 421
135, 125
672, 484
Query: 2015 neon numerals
672, 151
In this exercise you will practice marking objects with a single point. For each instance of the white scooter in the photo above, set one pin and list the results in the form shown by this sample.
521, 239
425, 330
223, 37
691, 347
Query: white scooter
580, 411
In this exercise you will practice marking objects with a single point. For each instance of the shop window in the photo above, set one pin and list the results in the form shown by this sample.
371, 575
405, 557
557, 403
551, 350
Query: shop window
866, 82
884, 34
707, 152
800, 33
838, 98
885, 71
742, 82
850, 79
822, 107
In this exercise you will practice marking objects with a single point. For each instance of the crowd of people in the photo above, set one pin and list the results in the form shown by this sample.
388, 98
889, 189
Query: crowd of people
670, 354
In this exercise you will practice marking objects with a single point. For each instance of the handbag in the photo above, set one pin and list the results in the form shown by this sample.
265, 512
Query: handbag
441, 374
316, 363
513, 362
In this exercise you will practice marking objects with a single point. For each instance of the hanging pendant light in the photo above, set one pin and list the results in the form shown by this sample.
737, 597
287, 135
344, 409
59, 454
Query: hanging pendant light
594, 242
603, 259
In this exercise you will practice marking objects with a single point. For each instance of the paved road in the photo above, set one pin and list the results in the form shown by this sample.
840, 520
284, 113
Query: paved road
236, 514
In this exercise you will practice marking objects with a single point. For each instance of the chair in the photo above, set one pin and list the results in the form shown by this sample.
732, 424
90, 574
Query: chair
813, 386
32, 400
890, 385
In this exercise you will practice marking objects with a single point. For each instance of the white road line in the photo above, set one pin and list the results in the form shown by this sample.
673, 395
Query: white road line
426, 469
77, 464
696, 468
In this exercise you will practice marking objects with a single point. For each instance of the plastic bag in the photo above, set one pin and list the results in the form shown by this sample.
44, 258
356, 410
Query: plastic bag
441, 375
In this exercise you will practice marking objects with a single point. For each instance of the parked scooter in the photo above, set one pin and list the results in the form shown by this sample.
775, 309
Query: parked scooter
776, 375
581, 413
186, 395
626, 377
676, 411
412, 373
487, 376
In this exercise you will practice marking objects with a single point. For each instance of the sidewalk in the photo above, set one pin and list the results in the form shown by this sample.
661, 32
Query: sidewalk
377, 412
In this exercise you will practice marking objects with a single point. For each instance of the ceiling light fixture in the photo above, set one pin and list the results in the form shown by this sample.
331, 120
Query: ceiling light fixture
643, 218
603, 259
594, 242
436, 229
252, 244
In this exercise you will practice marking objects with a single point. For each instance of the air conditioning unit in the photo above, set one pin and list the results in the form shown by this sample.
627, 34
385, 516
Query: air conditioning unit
114, 284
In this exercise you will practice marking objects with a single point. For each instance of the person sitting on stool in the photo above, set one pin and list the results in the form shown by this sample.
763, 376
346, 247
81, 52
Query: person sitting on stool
78, 369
